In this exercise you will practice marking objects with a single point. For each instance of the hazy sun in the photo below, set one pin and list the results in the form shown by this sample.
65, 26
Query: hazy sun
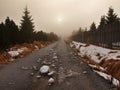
59, 19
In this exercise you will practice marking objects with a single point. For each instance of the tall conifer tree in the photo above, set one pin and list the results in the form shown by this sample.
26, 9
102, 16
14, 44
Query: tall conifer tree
27, 26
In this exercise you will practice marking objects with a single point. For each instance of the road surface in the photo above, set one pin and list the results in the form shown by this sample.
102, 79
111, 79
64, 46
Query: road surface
70, 73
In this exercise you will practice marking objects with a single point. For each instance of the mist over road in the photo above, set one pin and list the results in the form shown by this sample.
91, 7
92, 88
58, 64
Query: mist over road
70, 73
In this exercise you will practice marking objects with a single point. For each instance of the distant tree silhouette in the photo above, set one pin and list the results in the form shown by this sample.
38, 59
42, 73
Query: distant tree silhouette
11, 34
40, 36
111, 20
106, 34
11, 31
101, 30
52, 36
92, 33
111, 16
27, 26
2, 35
78, 35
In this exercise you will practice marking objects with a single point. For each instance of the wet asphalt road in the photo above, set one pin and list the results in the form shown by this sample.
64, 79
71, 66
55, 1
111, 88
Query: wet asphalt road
70, 73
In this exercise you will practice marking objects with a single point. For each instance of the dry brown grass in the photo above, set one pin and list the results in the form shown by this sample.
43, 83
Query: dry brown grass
80, 46
112, 67
98, 54
5, 57
112, 52
31, 47
118, 57
91, 62
77, 50
88, 60
87, 45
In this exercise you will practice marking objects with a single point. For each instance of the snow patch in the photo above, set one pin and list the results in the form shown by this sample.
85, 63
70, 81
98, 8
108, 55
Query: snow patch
36, 47
108, 77
96, 53
14, 53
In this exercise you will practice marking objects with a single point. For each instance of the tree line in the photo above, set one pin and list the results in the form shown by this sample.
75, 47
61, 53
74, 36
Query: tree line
106, 34
11, 34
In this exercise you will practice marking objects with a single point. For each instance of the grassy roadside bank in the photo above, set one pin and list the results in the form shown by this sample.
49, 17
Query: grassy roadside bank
21, 50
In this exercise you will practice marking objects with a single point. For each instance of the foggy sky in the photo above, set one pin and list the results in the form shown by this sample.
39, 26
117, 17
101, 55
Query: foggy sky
74, 13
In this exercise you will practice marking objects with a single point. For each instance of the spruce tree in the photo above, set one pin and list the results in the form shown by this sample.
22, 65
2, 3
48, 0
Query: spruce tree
112, 20
7, 31
111, 16
27, 27
11, 31
93, 27
102, 22
92, 33
2, 34
101, 30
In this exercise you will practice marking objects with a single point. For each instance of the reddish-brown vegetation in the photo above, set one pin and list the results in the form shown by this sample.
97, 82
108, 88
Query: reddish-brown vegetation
86, 45
112, 67
112, 52
88, 60
5, 57
109, 61
118, 57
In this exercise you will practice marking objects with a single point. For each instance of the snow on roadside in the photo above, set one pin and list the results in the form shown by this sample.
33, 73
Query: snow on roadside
15, 53
108, 77
105, 76
96, 53
97, 67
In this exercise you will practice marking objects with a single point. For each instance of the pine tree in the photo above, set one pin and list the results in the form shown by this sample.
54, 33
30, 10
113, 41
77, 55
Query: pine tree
101, 30
112, 19
93, 27
27, 27
14, 32
92, 33
2, 35
7, 31
11, 31
102, 22
111, 16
